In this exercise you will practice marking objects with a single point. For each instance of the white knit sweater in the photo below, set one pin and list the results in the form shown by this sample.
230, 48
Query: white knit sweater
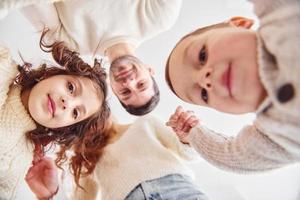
15, 150
92, 26
7, 5
274, 138
147, 150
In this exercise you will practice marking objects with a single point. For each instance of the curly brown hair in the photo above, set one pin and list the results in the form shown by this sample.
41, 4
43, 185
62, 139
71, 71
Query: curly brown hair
86, 138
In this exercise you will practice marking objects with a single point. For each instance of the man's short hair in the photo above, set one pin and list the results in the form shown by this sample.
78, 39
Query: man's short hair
146, 108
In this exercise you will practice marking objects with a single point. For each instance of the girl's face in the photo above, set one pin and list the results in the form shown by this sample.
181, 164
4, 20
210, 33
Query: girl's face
218, 68
63, 100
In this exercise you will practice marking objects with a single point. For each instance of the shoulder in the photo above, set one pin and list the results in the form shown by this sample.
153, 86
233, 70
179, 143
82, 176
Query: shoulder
152, 119
164, 12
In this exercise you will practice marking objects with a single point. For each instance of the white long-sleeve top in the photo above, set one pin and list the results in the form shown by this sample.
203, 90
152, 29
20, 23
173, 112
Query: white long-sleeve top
91, 27
274, 138
7, 5
147, 150
15, 150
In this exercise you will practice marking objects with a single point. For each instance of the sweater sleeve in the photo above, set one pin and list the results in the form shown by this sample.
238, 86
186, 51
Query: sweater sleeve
165, 10
46, 16
91, 189
8, 72
250, 151
7, 5
170, 140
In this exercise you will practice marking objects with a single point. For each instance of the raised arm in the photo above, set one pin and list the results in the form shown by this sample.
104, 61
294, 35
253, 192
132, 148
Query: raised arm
42, 178
250, 151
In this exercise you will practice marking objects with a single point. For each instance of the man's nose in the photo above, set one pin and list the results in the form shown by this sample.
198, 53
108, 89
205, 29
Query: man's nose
205, 78
128, 82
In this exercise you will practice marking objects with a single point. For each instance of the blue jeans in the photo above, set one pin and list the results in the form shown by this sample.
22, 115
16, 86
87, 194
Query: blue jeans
170, 187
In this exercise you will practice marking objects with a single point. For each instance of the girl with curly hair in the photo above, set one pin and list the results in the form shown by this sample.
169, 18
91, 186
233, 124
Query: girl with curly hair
63, 105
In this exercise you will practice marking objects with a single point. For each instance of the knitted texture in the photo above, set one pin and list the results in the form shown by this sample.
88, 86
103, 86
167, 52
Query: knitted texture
15, 151
147, 150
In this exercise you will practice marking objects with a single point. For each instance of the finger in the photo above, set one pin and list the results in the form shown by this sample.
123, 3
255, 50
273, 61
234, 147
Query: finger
48, 162
178, 110
38, 188
194, 123
183, 118
29, 174
191, 119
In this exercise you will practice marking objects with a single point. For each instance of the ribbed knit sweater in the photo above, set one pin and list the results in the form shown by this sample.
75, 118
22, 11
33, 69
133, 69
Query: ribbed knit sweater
15, 150
147, 150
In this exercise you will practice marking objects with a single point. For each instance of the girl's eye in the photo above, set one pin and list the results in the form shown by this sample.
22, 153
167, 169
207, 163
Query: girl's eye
202, 55
204, 95
71, 87
75, 113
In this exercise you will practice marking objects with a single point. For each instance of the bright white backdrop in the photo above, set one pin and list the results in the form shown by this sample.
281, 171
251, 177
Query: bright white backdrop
283, 184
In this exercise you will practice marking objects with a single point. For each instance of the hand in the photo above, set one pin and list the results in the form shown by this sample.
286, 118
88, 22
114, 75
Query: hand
182, 122
42, 178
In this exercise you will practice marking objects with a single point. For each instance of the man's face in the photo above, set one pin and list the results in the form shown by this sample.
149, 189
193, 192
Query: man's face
131, 81
218, 68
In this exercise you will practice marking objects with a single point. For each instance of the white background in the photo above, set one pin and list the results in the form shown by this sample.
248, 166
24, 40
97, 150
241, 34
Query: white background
282, 184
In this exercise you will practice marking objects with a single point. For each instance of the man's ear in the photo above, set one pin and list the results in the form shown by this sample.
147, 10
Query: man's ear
151, 70
241, 22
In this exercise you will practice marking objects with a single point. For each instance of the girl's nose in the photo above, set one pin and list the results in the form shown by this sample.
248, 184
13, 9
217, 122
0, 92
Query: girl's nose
205, 78
63, 104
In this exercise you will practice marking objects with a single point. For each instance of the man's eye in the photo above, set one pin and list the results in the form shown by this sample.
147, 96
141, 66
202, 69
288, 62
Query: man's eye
75, 113
204, 95
141, 84
71, 87
203, 55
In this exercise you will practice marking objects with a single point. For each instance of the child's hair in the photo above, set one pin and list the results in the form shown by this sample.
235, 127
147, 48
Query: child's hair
196, 32
86, 138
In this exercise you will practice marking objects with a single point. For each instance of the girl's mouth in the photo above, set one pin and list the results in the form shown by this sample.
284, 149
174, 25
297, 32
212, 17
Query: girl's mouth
226, 79
51, 105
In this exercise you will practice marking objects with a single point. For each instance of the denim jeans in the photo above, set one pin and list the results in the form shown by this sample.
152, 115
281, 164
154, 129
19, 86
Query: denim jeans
170, 187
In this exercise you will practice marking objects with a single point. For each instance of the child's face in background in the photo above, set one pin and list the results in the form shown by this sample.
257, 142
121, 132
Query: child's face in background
63, 100
218, 68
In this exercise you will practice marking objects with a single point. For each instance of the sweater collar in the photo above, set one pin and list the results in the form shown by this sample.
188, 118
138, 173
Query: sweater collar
262, 54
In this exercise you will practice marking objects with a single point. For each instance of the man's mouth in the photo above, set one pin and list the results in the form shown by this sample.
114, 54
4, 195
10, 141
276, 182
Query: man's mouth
226, 79
51, 106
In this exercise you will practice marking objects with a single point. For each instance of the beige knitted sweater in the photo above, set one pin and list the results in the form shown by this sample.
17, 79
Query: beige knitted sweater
15, 150
147, 150
92, 26
274, 138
